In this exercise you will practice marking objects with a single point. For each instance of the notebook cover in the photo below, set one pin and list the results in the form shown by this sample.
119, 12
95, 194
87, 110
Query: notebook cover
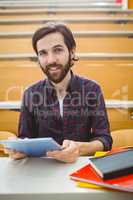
113, 165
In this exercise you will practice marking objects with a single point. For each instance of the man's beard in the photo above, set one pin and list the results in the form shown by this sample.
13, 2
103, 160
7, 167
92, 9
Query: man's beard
56, 77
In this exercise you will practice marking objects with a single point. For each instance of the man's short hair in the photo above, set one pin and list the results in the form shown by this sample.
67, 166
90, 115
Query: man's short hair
53, 27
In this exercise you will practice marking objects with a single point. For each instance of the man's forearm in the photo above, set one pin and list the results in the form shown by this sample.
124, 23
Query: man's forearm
89, 148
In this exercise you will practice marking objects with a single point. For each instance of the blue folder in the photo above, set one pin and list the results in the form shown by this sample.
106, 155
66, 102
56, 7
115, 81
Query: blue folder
35, 147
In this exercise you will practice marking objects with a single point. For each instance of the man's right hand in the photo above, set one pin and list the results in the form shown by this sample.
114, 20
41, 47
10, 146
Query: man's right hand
14, 154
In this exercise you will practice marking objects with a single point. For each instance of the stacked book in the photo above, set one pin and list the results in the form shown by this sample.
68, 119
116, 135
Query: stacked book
111, 171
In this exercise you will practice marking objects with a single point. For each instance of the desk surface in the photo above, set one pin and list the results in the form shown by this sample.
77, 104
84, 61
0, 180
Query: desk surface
43, 178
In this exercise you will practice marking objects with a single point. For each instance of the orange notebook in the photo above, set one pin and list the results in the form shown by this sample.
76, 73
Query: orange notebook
88, 174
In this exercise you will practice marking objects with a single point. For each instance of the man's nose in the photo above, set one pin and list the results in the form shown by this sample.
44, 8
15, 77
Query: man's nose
50, 59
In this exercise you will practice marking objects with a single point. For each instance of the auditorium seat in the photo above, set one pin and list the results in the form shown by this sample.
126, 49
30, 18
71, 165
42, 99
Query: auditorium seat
85, 23
123, 137
62, 13
4, 135
89, 44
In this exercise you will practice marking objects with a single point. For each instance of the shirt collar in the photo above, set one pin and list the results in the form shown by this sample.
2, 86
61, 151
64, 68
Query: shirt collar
74, 84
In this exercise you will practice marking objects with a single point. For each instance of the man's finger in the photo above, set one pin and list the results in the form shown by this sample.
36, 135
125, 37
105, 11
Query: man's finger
52, 153
12, 137
65, 143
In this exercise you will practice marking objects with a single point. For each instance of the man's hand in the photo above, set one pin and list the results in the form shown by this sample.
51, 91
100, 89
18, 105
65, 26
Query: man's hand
14, 154
69, 152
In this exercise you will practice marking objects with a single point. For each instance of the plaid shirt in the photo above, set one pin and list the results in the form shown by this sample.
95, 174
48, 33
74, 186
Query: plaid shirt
84, 114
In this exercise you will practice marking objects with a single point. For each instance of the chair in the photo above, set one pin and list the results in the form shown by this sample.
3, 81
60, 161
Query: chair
123, 137
4, 135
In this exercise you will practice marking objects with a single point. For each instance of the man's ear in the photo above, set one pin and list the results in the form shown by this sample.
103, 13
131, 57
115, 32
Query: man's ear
73, 56
72, 53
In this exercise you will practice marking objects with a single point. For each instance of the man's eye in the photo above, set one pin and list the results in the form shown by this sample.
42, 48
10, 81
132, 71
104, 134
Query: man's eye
58, 50
41, 53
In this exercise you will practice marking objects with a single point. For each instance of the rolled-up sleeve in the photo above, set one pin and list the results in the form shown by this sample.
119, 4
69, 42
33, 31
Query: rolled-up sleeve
100, 122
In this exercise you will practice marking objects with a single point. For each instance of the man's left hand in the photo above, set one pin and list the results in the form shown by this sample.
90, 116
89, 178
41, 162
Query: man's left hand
69, 152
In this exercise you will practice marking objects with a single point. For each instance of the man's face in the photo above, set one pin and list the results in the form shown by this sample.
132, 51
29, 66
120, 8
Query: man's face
54, 57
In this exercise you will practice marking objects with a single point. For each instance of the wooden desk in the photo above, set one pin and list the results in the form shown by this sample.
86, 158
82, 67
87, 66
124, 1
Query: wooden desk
42, 178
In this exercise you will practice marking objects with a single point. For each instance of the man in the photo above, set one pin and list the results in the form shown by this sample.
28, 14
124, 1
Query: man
63, 106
